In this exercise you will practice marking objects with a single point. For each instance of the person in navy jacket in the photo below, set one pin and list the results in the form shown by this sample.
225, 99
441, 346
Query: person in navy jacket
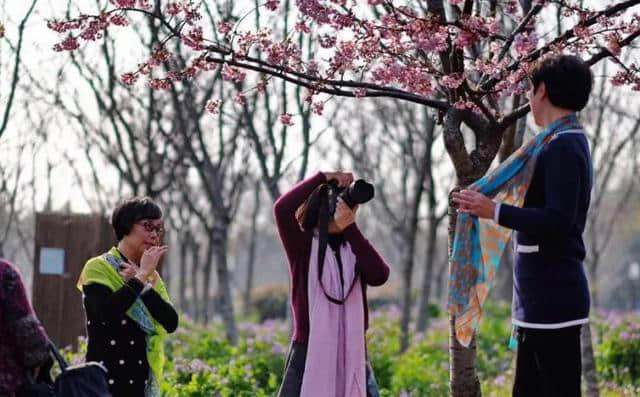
550, 289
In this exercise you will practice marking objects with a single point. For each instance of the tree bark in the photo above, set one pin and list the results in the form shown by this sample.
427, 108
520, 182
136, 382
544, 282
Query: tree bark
206, 296
432, 231
195, 296
589, 372
430, 258
462, 366
182, 282
252, 250
225, 297
462, 369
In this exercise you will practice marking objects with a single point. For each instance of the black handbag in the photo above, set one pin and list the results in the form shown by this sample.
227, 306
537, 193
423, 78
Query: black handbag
37, 387
83, 380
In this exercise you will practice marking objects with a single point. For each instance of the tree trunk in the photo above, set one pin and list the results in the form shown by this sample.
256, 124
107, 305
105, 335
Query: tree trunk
462, 364
407, 271
225, 297
407, 276
463, 377
195, 260
443, 271
206, 296
589, 372
430, 258
252, 250
182, 282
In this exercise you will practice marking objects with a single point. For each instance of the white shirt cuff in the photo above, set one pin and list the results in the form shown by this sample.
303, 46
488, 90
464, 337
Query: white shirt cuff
146, 288
496, 213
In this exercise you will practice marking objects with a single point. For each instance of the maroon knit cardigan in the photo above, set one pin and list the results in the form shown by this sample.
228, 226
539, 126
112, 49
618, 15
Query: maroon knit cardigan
372, 268
23, 342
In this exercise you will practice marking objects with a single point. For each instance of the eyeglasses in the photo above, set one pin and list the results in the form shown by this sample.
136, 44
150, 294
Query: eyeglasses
150, 227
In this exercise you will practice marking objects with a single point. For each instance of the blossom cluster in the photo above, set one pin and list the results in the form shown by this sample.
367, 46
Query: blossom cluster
465, 58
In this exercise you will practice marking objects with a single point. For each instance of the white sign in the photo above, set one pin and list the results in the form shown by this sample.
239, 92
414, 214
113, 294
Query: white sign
51, 260
634, 271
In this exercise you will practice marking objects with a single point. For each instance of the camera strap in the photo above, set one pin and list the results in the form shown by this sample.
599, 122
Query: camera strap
323, 235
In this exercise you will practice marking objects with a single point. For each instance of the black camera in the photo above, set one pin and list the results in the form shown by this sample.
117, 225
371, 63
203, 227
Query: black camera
359, 192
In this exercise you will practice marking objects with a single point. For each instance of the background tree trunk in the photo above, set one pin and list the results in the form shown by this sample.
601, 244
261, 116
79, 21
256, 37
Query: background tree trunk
252, 249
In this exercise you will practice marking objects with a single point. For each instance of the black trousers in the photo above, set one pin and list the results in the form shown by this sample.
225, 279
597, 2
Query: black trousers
294, 372
548, 362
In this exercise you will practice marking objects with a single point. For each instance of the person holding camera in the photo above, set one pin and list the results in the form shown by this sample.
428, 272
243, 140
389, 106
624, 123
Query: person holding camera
330, 266
127, 305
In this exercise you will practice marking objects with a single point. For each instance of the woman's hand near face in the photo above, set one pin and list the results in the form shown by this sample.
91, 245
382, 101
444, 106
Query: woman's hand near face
128, 271
344, 215
149, 261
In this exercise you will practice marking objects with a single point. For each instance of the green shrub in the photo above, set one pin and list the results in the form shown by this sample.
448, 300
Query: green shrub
201, 363
270, 301
618, 354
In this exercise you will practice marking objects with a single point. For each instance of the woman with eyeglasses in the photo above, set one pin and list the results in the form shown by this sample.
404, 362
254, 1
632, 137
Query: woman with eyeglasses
126, 302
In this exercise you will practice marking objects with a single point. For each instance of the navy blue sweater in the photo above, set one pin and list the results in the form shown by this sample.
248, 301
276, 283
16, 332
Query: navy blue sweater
550, 288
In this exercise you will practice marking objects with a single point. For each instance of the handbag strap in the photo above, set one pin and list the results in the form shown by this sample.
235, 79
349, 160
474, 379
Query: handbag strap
56, 354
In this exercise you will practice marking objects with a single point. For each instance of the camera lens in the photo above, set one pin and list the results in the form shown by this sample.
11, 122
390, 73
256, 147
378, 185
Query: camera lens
358, 193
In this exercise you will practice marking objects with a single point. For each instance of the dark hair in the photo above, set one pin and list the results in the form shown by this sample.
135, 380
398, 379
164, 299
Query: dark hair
309, 212
567, 78
131, 211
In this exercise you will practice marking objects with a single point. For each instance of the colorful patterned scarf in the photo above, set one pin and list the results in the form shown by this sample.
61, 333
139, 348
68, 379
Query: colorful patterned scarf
104, 270
479, 244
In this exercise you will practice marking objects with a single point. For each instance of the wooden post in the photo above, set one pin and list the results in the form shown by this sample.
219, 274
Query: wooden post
63, 243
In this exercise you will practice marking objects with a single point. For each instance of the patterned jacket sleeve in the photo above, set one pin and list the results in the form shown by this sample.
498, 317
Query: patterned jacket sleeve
30, 338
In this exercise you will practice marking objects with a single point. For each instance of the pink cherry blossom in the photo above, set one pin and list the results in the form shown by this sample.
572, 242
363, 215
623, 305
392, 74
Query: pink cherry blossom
285, 119
144, 5
262, 85
119, 20
272, 4
68, 44
224, 27
194, 38
452, 81
402, 49
213, 106
230, 73
240, 98
173, 75
124, 3
360, 92
129, 78
159, 84
613, 43
525, 43
302, 27
466, 39
174, 8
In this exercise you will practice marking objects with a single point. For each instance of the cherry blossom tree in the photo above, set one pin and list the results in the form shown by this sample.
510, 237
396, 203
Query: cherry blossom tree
465, 59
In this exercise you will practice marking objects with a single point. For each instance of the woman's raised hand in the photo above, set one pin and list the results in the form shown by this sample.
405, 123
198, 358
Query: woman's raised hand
149, 261
127, 271
344, 178
344, 215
